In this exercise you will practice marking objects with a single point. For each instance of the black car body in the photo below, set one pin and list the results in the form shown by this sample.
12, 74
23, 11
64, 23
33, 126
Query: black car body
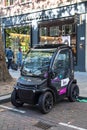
47, 76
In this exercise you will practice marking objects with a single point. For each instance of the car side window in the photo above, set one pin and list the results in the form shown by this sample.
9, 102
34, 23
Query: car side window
61, 63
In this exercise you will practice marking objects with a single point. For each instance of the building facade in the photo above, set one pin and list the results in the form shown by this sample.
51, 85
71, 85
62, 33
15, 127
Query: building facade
26, 23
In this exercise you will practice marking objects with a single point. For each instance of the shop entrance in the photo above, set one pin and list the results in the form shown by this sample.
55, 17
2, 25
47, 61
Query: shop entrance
18, 37
59, 31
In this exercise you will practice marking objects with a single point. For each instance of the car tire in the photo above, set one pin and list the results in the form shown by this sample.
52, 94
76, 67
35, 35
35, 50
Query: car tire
15, 100
73, 93
46, 102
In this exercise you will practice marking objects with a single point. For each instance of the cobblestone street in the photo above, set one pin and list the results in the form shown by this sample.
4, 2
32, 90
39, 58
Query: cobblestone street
70, 113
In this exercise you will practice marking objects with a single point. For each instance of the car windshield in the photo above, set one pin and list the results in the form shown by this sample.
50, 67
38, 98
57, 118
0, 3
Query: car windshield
37, 62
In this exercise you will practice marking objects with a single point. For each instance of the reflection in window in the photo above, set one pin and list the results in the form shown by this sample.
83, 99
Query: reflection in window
37, 62
61, 64
43, 31
18, 37
54, 31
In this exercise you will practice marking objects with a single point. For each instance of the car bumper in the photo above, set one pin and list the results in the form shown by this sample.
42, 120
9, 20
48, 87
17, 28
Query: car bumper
29, 96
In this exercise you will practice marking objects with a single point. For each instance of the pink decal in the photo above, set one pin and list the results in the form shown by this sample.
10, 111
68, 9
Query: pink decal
62, 91
55, 80
46, 75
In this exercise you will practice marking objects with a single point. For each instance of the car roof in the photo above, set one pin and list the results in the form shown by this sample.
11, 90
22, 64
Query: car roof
46, 46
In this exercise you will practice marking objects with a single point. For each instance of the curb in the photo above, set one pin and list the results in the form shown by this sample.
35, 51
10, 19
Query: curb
5, 98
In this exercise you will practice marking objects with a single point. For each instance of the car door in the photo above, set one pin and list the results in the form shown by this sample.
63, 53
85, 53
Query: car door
61, 69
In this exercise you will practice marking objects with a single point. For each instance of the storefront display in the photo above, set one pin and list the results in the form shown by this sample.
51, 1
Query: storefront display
18, 37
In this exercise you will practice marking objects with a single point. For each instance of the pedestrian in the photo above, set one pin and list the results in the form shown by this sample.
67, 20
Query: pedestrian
10, 57
19, 57
59, 40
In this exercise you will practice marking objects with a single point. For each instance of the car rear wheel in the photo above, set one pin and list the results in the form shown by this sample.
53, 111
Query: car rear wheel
46, 102
73, 93
15, 100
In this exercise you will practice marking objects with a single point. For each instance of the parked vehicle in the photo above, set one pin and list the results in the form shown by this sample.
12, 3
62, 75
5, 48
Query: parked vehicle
47, 76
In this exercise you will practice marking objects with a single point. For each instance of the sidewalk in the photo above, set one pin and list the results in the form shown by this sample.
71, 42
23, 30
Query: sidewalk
82, 83
6, 89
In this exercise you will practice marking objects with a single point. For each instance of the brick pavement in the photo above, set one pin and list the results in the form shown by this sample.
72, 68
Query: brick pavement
70, 113
7, 122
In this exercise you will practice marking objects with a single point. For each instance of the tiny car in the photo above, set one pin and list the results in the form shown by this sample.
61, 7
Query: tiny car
47, 76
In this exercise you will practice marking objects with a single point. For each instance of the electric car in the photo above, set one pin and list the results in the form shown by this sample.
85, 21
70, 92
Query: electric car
47, 76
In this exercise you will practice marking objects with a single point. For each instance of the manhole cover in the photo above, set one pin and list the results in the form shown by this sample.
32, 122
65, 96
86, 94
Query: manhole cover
43, 125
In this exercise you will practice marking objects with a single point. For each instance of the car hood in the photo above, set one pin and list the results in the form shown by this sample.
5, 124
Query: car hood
31, 81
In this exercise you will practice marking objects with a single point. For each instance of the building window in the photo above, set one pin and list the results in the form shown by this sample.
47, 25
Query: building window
43, 31
1, 1
19, 37
23, 0
66, 29
54, 31
8, 2
11, 2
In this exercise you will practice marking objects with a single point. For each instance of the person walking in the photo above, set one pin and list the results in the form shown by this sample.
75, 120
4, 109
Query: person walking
10, 57
19, 57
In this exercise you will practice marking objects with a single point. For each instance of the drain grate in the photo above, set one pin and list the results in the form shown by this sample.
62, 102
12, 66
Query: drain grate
43, 125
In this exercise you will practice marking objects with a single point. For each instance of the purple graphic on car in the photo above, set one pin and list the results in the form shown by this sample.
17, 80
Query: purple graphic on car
46, 75
55, 80
62, 91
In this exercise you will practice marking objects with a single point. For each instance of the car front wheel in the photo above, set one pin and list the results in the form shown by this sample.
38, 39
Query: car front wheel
15, 100
46, 102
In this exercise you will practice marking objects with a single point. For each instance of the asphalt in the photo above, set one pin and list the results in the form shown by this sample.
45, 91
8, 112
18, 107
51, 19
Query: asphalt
81, 81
